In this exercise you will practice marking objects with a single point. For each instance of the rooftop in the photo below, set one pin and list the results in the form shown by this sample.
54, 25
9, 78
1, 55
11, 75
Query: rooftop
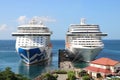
105, 61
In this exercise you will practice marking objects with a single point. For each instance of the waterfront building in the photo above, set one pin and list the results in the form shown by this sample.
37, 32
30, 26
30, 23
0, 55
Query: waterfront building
104, 66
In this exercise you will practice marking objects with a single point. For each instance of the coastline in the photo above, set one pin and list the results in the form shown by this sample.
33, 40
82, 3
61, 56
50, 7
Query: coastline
10, 58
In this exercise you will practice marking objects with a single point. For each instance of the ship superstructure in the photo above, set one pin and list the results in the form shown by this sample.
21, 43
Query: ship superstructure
84, 41
33, 42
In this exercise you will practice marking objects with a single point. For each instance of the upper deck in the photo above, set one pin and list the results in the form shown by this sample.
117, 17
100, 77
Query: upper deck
32, 29
83, 29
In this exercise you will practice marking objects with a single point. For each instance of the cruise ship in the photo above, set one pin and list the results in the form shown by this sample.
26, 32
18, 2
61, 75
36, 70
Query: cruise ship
84, 41
33, 42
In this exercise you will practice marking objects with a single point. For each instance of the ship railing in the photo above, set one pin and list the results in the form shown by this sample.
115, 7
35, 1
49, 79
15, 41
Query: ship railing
32, 31
29, 46
84, 29
89, 45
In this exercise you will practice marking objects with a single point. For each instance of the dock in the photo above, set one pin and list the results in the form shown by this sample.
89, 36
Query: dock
63, 57
64, 62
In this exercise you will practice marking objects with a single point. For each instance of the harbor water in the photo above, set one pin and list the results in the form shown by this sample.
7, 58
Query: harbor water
9, 57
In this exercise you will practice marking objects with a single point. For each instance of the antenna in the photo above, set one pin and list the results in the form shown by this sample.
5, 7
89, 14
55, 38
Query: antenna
40, 22
33, 21
82, 21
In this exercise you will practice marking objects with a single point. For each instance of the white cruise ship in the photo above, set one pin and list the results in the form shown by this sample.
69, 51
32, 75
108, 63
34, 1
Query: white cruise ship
83, 41
33, 42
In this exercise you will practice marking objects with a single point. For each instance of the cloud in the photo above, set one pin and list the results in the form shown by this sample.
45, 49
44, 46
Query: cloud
3, 27
46, 19
22, 19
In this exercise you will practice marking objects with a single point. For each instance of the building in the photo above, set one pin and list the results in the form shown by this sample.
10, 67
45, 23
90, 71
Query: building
104, 66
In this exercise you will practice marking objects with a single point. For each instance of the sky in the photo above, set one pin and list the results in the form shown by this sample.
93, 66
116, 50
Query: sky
59, 14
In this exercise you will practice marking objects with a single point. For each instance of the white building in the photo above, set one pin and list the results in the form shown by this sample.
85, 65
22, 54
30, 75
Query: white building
104, 66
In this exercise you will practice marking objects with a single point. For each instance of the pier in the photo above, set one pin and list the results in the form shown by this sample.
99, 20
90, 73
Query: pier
63, 57
64, 62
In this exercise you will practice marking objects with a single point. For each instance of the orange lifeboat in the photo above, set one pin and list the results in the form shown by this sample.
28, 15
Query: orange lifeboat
50, 45
68, 45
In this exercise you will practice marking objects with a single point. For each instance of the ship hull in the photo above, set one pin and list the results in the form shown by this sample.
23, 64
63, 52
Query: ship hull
34, 55
84, 54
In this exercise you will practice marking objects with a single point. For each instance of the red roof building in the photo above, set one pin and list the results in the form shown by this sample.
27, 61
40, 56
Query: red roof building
105, 61
104, 66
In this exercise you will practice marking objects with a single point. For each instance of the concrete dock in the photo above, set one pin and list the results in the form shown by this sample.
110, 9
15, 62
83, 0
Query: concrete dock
65, 62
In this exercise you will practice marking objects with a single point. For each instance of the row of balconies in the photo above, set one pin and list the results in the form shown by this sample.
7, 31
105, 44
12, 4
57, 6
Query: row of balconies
84, 29
86, 40
89, 44
32, 31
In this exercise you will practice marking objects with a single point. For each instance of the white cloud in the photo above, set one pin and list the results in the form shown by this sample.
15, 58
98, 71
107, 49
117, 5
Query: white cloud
3, 27
22, 19
46, 19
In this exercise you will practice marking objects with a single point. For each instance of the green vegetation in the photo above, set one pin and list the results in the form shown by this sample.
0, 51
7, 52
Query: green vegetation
7, 74
71, 75
55, 75
86, 78
48, 76
83, 73
60, 72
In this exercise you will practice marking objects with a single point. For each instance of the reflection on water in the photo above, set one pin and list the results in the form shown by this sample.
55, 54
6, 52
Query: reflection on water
80, 64
33, 71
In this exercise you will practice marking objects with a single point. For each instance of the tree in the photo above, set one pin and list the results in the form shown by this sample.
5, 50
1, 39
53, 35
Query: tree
49, 76
83, 73
85, 78
71, 75
7, 74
